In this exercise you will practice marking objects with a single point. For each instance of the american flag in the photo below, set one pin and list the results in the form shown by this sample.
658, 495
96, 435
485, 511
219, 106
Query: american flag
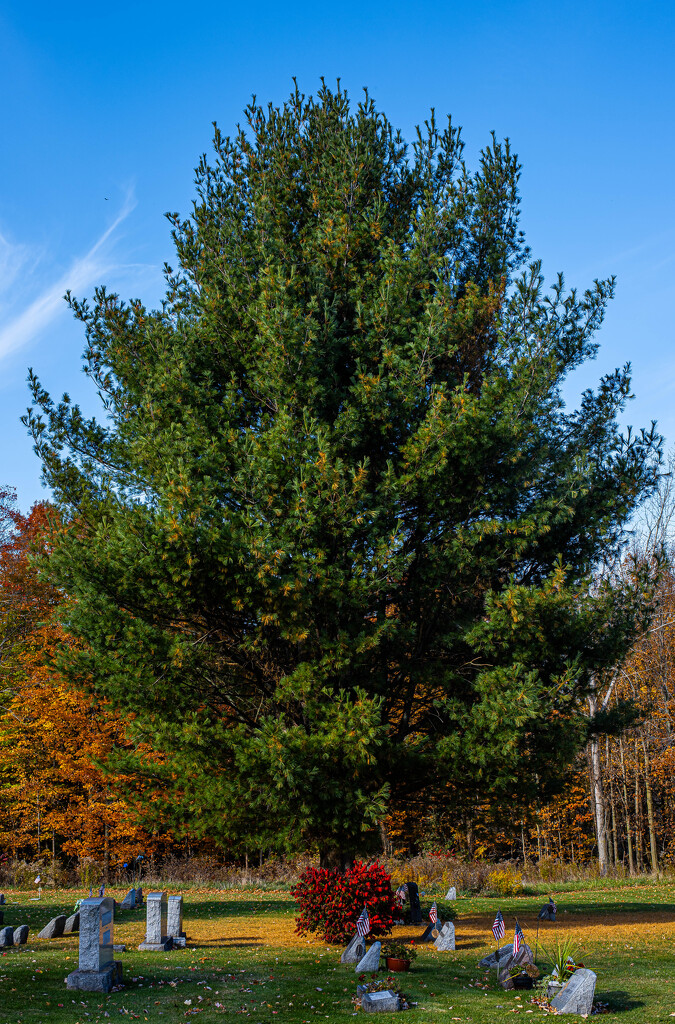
518, 938
433, 913
498, 928
363, 923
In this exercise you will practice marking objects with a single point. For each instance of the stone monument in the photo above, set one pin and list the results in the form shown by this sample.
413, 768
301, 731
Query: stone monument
174, 921
156, 938
97, 971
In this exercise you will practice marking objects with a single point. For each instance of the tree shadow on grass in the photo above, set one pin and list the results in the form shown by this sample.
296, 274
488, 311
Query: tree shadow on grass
619, 1001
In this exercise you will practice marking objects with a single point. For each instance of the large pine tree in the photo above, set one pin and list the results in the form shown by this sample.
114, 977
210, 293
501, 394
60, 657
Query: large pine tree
336, 541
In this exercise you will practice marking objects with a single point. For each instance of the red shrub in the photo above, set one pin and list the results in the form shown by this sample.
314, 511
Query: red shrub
330, 901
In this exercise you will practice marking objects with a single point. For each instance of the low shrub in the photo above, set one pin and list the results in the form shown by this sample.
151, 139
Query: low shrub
330, 902
503, 881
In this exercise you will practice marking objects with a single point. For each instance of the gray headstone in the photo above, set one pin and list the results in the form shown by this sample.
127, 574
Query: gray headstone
6, 937
446, 939
451, 894
97, 971
524, 956
2, 898
355, 951
96, 933
72, 924
380, 1002
577, 995
371, 961
53, 930
129, 901
21, 935
139, 897
156, 937
174, 917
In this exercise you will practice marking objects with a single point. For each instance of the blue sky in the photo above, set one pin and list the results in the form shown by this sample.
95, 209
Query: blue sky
106, 111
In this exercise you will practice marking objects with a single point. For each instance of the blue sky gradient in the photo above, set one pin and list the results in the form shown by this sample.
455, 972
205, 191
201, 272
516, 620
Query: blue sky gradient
107, 111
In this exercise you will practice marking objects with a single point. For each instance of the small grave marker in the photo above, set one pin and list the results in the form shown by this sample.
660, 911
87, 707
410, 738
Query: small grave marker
446, 938
380, 1002
355, 951
576, 996
371, 961
53, 930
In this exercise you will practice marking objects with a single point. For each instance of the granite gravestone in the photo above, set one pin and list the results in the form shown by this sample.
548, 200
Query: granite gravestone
156, 938
577, 995
446, 938
97, 970
53, 930
129, 901
548, 912
451, 894
355, 951
414, 898
371, 961
139, 897
380, 1002
174, 921
6, 937
21, 935
72, 924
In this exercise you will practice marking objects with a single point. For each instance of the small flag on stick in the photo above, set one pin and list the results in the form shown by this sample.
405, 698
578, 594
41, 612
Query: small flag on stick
518, 938
498, 928
363, 923
433, 913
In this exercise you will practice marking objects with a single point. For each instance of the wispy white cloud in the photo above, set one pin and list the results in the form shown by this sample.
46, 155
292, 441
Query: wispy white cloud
49, 304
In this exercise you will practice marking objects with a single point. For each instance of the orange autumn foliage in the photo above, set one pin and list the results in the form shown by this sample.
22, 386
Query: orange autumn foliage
54, 794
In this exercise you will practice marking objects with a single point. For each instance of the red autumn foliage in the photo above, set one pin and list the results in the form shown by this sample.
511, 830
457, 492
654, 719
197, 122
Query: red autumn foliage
330, 901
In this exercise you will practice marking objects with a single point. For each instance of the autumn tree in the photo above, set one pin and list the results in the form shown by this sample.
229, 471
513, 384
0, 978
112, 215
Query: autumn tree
338, 529
55, 795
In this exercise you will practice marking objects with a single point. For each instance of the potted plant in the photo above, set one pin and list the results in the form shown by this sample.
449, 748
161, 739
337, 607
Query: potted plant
398, 956
562, 964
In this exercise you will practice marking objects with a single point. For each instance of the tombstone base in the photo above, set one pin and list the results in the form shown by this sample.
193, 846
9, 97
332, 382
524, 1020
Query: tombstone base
179, 941
96, 981
157, 947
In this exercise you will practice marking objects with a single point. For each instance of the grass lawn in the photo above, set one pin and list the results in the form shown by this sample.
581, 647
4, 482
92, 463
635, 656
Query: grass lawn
244, 962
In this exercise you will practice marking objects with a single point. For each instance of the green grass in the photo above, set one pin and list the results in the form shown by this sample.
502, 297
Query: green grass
241, 960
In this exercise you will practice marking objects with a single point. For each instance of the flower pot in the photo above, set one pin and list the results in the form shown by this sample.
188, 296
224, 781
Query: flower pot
394, 964
552, 989
522, 981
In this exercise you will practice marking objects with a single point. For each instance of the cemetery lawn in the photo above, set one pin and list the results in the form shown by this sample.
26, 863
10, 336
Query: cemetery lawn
243, 961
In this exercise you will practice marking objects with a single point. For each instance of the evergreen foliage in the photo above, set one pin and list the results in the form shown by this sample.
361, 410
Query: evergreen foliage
337, 541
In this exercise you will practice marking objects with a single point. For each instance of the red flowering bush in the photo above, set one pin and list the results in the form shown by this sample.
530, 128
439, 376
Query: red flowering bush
330, 902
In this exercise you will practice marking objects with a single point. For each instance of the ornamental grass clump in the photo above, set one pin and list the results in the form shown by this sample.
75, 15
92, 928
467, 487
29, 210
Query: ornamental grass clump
330, 901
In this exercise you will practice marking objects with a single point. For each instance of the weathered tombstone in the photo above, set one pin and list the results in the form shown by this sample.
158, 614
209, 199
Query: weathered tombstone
506, 957
451, 894
174, 921
156, 938
355, 951
53, 930
6, 937
129, 901
2, 898
139, 897
97, 970
446, 938
72, 924
577, 995
380, 1002
371, 961
414, 898
21, 935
